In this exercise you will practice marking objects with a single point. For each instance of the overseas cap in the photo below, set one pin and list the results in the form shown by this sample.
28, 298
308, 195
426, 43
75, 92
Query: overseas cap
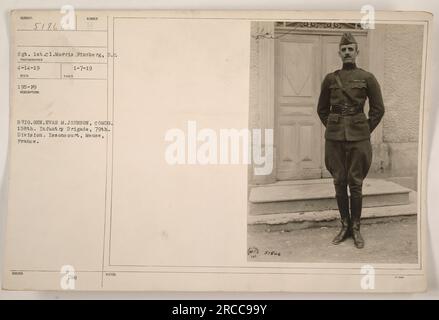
347, 38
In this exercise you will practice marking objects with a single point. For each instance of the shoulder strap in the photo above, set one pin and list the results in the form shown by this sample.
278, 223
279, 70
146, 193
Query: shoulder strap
337, 78
340, 84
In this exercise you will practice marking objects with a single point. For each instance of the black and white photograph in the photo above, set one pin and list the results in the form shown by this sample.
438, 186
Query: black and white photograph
251, 151
344, 101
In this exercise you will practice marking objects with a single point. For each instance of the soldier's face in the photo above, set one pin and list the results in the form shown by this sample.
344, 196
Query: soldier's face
348, 53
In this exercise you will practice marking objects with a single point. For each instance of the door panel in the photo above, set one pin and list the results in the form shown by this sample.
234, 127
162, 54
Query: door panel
298, 131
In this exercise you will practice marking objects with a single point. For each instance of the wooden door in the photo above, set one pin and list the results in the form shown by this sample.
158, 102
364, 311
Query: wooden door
297, 84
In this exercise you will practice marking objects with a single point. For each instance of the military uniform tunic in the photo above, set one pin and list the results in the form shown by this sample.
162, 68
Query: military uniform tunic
348, 151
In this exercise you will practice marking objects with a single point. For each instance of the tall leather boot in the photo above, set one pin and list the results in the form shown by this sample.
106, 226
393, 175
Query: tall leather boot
343, 208
356, 205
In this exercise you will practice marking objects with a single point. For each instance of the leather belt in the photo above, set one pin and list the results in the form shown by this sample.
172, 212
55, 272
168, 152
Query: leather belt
346, 110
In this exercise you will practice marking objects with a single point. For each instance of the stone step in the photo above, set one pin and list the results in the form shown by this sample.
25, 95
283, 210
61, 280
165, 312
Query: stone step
319, 194
300, 220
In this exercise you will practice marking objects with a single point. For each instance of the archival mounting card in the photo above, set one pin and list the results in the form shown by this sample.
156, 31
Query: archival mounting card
191, 151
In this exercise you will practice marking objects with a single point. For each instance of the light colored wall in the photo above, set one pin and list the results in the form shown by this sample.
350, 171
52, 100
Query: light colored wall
401, 92
402, 82
253, 114
261, 113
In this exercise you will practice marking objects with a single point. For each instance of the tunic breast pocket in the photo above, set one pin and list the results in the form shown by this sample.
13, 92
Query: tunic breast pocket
335, 89
358, 87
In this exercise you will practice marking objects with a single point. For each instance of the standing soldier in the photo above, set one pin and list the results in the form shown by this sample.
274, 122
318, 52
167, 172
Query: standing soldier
348, 151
